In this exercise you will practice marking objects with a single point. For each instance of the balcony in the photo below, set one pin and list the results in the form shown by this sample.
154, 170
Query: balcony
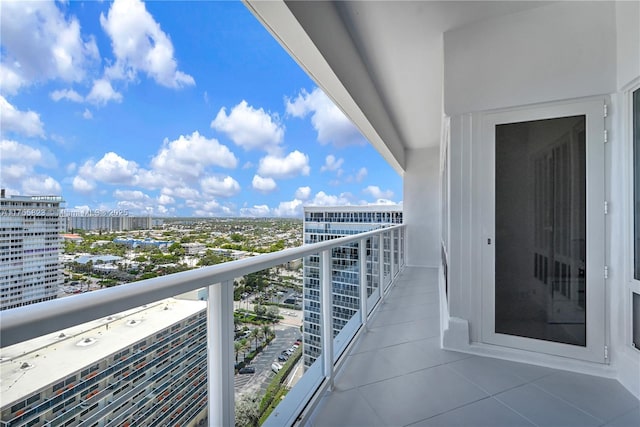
385, 367
63, 363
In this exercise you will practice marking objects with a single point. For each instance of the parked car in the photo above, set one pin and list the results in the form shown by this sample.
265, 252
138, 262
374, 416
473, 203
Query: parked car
247, 370
283, 358
275, 367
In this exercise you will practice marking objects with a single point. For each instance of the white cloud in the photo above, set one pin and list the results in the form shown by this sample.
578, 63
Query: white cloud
182, 192
139, 44
131, 195
163, 199
250, 128
18, 171
294, 164
139, 207
293, 208
225, 187
332, 126
24, 123
102, 92
264, 185
188, 156
14, 172
256, 211
41, 185
87, 114
331, 163
11, 81
82, 185
361, 175
377, 193
384, 202
12, 150
41, 44
68, 94
208, 208
303, 193
112, 169
323, 199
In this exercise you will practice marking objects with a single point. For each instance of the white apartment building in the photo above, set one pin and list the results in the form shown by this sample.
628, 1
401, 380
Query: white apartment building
29, 249
104, 220
145, 366
323, 223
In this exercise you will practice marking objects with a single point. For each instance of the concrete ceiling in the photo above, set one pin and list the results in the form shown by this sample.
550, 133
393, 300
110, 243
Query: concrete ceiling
380, 61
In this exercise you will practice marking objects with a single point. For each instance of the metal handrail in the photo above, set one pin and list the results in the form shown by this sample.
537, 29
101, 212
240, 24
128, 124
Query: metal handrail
31, 321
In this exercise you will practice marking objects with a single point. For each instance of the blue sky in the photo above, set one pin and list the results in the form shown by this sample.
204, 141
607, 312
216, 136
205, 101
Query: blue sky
171, 109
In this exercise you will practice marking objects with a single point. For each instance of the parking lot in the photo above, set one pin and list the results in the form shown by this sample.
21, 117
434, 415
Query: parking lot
286, 335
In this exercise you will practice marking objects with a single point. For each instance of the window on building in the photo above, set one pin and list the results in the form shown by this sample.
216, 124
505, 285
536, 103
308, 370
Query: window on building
636, 181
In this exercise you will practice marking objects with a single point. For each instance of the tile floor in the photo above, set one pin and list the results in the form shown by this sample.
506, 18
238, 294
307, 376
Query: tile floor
396, 375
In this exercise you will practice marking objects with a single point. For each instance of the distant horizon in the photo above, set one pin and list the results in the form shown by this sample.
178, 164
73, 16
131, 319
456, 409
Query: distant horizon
172, 109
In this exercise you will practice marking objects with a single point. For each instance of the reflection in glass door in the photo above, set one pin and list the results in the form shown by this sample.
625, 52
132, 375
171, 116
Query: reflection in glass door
540, 230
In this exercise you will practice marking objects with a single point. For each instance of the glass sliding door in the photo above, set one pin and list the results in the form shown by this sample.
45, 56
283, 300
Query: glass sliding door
540, 230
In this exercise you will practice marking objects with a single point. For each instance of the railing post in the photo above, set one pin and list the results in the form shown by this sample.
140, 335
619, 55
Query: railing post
381, 285
392, 253
220, 355
326, 316
362, 259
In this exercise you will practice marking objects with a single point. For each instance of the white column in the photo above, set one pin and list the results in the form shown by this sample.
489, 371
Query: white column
220, 355
362, 259
326, 315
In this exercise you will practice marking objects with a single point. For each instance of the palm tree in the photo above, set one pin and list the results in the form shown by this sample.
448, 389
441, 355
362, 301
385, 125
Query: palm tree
267, 332
237, 346
244, 345
254, 334
260, 334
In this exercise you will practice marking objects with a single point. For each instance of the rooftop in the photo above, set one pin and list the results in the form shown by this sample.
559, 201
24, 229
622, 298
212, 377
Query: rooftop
31, 365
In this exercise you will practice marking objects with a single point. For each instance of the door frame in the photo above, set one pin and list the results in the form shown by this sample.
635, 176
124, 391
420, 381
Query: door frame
593, 109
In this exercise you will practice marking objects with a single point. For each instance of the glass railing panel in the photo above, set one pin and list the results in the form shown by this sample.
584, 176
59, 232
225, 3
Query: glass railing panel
343, 270
269, 328
293, 362
372, 264
386, 259
346, 334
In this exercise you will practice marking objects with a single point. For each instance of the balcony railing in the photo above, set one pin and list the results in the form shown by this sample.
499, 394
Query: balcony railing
381, 256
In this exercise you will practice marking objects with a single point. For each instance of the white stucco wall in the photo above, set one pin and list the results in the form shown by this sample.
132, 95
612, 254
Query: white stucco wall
422, 206
530, 57
628, 41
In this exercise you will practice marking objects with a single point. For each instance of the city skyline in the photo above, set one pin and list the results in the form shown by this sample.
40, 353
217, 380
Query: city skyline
172, 109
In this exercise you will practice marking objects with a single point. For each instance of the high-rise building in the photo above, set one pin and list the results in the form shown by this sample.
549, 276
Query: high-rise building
325, 223
105, 220
29, 249
145, 366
